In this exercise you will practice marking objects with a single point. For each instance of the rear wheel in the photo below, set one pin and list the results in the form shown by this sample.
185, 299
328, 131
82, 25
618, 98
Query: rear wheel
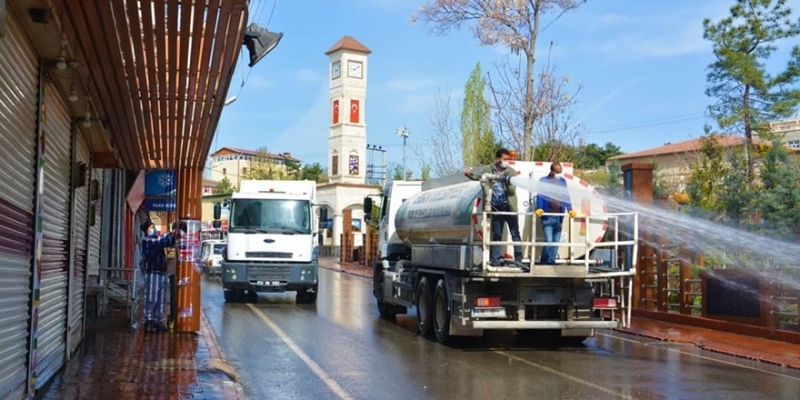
441, 312
424, 300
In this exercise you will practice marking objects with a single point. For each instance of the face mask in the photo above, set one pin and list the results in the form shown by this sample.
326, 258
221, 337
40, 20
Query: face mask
504, 164
151, 232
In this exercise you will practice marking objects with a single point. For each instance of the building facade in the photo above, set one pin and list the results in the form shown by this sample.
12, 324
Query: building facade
234, 164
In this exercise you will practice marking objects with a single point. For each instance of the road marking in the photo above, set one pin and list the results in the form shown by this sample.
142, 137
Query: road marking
703, 357
330, 382
566, 376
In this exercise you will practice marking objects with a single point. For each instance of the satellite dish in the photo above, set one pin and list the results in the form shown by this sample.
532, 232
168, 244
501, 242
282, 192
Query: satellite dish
260, 42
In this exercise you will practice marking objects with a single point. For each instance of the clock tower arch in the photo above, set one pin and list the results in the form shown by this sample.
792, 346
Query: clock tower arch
347, 140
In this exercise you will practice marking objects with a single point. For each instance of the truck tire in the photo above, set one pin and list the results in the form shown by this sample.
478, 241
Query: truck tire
304, 296
424, 307
441, 312
228, 296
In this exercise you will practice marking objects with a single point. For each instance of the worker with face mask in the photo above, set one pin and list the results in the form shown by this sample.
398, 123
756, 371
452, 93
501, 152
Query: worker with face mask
504, 199
154, 265
552, 198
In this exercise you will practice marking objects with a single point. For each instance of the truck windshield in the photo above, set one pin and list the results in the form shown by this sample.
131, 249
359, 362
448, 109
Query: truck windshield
270, 215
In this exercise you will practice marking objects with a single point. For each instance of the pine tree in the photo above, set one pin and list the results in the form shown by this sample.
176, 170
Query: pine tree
747, 96
778, 200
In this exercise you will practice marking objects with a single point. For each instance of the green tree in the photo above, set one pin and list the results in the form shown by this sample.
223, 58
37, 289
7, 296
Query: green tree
593, 156
706, 179
778, 200
476, 124
613, 180
426, 172
747, 95
314, 172
224, 186
735, 200
264, 167
397, 171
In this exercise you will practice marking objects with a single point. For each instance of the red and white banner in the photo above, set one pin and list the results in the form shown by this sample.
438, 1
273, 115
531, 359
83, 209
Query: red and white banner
354, 111
336, 111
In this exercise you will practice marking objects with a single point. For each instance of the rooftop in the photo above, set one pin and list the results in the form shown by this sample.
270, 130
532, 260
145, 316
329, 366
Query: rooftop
682, 147
348, 43
234, 150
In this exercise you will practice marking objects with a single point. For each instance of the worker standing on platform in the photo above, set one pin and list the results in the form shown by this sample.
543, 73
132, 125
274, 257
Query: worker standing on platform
154, 266
553, 198
504, 199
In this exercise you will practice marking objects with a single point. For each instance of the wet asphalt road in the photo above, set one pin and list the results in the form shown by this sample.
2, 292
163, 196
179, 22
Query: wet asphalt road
340, 349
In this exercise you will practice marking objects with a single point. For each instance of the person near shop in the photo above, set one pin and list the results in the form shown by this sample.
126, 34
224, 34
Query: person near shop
154, 266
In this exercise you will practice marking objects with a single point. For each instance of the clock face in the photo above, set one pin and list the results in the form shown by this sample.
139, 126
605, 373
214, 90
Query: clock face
336, 70
355, 69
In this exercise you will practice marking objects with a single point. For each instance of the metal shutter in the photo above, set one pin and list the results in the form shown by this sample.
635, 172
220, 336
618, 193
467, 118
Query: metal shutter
96, 230
80, 230
18, 105
51, 348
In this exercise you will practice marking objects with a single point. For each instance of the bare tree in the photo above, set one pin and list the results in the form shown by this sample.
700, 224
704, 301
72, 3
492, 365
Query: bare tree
440, 148
515, 24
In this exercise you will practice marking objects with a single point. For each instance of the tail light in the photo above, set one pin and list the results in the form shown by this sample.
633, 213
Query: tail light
604, 302
493, 301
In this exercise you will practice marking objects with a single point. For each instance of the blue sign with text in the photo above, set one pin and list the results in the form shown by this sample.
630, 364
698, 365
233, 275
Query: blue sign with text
160, 183
163, 205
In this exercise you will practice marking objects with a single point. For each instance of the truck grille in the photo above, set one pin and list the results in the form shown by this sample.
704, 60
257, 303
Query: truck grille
265, 273
267, 254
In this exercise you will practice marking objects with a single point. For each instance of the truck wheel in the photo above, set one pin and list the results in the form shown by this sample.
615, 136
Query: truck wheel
441, 312
304, 296
424, 300
229, 296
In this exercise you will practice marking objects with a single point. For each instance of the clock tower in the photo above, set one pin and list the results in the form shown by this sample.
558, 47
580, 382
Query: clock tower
347, 141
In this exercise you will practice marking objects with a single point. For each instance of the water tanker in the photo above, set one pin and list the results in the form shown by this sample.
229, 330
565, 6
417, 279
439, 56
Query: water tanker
451, 214
434, 257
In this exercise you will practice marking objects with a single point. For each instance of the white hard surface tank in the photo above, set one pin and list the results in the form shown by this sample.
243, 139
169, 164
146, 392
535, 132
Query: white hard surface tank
442, 213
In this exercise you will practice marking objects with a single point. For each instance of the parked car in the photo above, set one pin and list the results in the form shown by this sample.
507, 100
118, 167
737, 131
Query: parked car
211, 256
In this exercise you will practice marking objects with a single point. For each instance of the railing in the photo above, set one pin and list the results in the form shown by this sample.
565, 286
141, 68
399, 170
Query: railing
617, 243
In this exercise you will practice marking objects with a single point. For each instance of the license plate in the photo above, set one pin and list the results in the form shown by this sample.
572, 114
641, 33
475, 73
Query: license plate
267, 283
493, 312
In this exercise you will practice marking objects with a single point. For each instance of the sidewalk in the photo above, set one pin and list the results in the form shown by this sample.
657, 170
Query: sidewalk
750, 347
118, 363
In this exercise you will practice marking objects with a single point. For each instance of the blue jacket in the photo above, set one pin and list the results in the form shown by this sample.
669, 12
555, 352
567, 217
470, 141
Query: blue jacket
153, 257
543, 201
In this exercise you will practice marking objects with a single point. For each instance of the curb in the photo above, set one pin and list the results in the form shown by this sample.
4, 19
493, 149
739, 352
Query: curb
719, 347
217, 362
342, 270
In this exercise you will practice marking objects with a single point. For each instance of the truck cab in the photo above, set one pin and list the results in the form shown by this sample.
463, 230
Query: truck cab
271, 244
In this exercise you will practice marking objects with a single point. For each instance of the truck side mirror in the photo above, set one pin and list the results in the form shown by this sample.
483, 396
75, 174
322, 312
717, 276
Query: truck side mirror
323, 217
216, 224
217, 211
367, 209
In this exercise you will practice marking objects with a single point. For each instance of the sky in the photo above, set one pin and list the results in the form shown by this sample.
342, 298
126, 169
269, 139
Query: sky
642, 65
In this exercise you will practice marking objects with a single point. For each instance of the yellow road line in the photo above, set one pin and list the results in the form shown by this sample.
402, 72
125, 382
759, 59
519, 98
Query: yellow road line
318, 371
567, 376
702, 357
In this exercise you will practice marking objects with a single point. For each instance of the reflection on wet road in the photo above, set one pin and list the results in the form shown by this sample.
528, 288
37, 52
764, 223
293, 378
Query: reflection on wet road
340, 349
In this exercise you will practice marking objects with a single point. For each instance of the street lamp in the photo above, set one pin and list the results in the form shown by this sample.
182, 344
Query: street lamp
404, 132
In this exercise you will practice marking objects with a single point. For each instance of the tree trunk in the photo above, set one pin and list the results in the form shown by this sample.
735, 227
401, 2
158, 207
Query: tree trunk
530, 53
748, 134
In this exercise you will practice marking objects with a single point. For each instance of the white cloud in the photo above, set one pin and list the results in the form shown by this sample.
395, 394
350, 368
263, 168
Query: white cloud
307, 75
307, 138
259, 82
675, 33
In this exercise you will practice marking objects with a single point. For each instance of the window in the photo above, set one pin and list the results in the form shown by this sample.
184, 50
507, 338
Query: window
219, 249
335, 165
244, 171
793, 144
224, 172
270, 215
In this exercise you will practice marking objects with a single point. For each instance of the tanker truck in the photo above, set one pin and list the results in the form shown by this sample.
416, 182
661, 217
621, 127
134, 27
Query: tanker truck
434, 241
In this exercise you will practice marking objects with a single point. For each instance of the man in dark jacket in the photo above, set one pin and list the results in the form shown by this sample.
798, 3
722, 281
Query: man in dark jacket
154, 265
553, 198
504, 199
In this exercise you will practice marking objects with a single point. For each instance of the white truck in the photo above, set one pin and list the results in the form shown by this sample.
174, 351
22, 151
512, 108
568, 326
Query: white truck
271, 241
434, 256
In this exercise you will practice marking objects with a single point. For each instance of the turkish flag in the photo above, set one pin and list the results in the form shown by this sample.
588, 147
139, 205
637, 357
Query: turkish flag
354, 111
336, 111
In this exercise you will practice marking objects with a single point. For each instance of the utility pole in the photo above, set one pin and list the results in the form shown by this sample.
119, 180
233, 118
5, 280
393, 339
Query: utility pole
404, 132
371, 169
